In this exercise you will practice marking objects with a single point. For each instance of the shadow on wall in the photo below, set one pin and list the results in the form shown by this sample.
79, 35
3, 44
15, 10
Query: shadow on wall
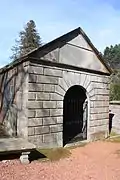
10, 83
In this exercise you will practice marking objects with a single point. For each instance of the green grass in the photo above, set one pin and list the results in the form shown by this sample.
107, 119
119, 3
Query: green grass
113, 134
114, 137
55, 154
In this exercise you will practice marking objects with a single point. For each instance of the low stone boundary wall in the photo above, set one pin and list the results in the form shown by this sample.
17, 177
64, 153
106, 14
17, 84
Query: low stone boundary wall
115, 108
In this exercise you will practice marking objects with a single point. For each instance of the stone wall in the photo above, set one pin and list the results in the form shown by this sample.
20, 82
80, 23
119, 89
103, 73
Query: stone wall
13, 100
47, 87
115, 108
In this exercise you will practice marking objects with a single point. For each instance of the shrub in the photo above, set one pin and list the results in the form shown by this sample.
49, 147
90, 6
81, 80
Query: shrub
115, 91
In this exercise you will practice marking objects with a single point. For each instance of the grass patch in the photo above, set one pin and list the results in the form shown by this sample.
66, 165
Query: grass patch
114, 137
113, 134
55, 154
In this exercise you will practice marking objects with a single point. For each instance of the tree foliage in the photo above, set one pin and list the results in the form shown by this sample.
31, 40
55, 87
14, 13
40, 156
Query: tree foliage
115, 92
115, 86
112, 56
29, 39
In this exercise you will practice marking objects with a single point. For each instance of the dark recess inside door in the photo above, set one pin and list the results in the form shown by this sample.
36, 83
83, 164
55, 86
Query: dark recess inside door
73, 114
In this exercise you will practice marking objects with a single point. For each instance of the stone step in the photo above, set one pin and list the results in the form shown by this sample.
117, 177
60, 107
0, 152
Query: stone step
15, 145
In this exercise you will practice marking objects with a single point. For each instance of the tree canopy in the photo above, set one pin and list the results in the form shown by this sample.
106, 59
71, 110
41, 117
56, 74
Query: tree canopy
29, 39
112, 56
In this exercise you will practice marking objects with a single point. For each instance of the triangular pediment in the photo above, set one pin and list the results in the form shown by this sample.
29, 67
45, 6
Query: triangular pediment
78, 52
75, 49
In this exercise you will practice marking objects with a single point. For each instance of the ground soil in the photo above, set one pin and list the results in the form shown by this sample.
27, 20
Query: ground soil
95, 161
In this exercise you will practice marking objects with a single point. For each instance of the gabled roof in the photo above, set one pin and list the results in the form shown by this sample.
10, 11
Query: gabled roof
62, 39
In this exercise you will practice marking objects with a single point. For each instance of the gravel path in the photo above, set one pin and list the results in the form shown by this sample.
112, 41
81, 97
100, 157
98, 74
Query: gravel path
95, 161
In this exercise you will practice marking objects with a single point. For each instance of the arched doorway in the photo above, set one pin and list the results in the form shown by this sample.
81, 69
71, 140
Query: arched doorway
75, 112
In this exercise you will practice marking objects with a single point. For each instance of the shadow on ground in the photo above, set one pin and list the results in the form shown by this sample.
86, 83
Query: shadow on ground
9, 156
36, 155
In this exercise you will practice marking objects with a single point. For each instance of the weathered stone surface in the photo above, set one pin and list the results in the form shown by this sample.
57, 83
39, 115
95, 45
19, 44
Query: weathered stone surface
56, 112
42, 112
101, 91
99, 110
31, 95
59, 90
87, 81
35, 104
31, 131
99, 85
47, 79
53, 72
52, 137
34, 121
100, 98
34, 87
101, 79
69, 78
42, 130
49, 104
98, 122
99, 116
55, 97
51, 55
48, 138
99, 103
15, 145
59, 104
36, 139
97, 129
92, 93
92, 104
32, 78
60, 120
99, 135
50, 120
42, 96
83, 79
35, 70
48, 88
89, 87
31, 113
63, 84
56, 128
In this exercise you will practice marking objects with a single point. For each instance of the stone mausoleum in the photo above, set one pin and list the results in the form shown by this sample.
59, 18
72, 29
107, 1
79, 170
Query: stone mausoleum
57, 94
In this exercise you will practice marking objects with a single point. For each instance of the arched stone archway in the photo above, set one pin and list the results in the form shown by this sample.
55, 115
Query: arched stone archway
75, 112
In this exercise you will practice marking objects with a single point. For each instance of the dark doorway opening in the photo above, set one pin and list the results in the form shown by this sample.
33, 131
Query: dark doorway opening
75, 115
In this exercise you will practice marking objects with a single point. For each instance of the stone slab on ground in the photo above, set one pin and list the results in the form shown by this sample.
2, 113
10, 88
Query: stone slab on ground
15, 145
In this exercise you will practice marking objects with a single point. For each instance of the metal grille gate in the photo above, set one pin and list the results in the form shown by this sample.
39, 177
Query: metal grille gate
73, 124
